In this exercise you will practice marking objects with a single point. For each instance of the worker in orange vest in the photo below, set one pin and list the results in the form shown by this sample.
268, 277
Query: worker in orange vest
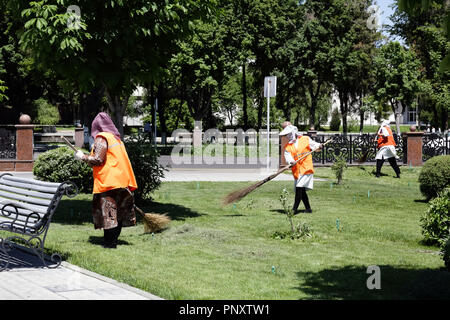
113, 203
386, 149
303, 170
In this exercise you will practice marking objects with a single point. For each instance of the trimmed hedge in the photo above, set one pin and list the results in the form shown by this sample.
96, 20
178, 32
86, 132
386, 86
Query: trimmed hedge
435, 222
435, 176
59, 165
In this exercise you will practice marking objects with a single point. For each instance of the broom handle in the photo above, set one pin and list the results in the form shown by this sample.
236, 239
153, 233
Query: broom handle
135, 206
301, 158
69, 144
307, 154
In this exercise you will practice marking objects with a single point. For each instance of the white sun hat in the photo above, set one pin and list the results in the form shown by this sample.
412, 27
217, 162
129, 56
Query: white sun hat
288, 129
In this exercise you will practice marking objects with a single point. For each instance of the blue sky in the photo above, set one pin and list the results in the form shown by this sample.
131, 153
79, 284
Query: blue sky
385, 10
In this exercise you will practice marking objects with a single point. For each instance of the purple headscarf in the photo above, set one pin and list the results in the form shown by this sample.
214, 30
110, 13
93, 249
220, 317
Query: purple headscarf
103, 123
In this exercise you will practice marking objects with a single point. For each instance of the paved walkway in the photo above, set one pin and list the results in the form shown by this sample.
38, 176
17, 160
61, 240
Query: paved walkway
26, 279
186, 174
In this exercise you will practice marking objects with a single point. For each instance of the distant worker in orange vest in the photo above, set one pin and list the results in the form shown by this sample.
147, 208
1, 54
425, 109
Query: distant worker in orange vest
386, 149
112, 203
303, 170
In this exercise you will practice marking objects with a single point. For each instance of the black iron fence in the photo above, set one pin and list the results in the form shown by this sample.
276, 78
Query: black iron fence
351, 147
435, 144
7, 143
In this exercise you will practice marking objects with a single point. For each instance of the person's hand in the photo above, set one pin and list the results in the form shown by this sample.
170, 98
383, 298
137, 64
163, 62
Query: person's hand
79, 155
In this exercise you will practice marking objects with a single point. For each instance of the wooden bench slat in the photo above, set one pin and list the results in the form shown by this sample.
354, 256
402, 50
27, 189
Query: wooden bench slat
23, 205
25, 199
6, 225
28, 186
20, 218
31, 181
43, 195
20, 211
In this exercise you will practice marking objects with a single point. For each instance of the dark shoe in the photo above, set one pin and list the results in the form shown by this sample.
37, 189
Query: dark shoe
377, 175
398, 176
308, 211
109, 245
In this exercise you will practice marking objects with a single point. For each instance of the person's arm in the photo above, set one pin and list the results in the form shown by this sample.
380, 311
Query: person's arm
314, 145
288, 157
98, 156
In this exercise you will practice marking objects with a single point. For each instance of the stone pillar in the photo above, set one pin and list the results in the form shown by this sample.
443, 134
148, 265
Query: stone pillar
197, 142
24, 147
79, 137
197, 136
414, 147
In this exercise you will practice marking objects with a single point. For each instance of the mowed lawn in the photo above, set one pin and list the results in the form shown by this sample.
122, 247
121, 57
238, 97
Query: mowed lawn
215, 252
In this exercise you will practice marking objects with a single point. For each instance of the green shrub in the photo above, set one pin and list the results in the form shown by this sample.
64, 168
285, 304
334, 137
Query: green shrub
446, 253
46, 113
335, 121
59, 165
435, 222
339, 167
147, 170
435, 176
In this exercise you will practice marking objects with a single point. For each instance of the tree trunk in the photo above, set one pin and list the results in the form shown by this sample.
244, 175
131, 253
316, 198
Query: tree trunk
244, 97
116, 109
397, 113
361, 114
344, 110
161, 107
91, 105
260, 108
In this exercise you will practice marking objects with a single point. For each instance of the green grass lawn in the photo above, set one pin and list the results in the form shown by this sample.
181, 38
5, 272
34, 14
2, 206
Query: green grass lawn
215, 252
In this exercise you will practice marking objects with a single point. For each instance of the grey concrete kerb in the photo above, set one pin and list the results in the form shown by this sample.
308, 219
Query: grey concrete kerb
110, 281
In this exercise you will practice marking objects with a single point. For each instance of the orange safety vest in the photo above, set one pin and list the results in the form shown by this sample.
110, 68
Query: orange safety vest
116, 172
304, 166
386, 141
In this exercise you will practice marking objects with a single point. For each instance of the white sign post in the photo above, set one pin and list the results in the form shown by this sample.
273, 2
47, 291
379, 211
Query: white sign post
270, 90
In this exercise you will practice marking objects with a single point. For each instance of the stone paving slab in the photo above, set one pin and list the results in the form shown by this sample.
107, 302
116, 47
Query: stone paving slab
27, 279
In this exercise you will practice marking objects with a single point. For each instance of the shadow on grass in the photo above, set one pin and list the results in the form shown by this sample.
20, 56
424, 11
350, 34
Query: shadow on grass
350, 282
79, 211
99, 241
174, 211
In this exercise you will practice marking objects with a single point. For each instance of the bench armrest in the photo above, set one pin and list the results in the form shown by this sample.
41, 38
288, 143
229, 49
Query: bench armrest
19, 215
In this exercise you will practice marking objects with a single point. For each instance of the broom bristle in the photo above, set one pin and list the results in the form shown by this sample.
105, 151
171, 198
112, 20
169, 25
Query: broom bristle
364, 157
239, 194
155, 222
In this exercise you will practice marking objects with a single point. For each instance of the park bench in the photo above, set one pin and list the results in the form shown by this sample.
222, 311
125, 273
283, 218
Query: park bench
26, 210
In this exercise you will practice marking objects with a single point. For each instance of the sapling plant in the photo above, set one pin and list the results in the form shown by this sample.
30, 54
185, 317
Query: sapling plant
297, 231
339, 167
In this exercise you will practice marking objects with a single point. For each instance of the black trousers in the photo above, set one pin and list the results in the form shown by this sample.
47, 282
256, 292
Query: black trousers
393, 164
110, 236
300, 195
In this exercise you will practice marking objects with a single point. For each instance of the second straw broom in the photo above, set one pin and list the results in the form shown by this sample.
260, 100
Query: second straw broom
239, 194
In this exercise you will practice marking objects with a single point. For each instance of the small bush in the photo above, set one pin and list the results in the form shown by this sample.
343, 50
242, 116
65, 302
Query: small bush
335, 121
46, 113
435, 222
147, 170
339, 167
435, 176
59, 165
446, 253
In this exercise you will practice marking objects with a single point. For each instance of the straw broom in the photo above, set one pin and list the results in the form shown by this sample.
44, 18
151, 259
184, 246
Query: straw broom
364, 156
239, 194
152, 222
